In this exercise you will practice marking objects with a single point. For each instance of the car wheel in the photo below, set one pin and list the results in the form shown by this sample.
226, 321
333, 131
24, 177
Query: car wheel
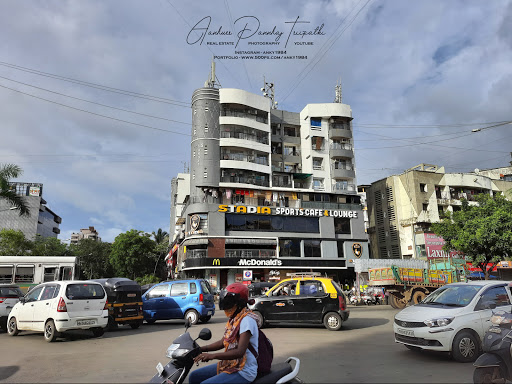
205, 319
12, 327
50, 333
489, 375
465, 347
261, 320
192, 316
333, 321
98, 332
136, 324
150, 321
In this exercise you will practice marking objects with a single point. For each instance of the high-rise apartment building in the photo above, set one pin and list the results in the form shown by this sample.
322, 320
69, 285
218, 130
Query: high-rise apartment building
402, 207
41, 221
269, 191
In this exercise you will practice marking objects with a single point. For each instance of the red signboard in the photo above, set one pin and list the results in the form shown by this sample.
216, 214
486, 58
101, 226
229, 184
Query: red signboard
434, 247
472, 268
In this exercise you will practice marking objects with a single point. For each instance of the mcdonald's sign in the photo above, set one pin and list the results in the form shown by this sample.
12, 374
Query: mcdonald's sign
216, 262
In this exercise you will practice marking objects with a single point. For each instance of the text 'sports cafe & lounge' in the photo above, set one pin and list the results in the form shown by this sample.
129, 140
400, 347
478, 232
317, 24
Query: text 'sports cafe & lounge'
269, 191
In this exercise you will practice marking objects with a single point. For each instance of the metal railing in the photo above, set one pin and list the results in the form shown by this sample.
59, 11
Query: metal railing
250, 253
243, 157
244, 136
233, 113
324, 205
196, 253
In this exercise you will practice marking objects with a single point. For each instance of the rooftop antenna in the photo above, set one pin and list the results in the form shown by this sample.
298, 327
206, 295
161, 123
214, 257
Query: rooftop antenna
212, 78
337, 99
268, 91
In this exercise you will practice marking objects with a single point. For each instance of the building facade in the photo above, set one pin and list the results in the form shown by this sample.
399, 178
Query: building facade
41, 220
85, 233
269, 191
402, 207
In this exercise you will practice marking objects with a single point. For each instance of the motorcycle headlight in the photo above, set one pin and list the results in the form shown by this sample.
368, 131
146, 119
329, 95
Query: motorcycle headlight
171, 349
440, 322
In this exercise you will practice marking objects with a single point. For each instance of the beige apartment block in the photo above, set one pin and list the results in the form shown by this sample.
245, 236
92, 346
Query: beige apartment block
85, 233
402, 207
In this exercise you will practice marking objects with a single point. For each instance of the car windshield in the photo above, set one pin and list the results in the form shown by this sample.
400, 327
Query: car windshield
454, 296
10, 292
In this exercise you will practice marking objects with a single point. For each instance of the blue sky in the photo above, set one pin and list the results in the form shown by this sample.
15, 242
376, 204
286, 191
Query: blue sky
419, 77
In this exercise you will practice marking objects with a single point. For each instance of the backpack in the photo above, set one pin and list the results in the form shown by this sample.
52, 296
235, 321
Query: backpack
265, 353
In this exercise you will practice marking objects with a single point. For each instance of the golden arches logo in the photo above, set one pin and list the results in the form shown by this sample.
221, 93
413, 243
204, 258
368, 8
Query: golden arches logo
216, 261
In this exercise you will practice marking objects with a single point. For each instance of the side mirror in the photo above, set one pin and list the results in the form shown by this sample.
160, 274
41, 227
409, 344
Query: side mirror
489, 305
22, 299
205, 334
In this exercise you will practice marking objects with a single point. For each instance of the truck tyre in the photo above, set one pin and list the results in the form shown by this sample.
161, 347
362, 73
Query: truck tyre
465, 347
418, 296
396, 302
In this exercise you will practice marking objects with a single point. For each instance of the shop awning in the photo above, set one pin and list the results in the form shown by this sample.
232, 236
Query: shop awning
195, 241
251, 241
301, 176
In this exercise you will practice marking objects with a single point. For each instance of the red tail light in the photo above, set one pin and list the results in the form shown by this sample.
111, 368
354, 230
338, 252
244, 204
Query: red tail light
2, 299
201, 298
62, 306
341, 300
106, 305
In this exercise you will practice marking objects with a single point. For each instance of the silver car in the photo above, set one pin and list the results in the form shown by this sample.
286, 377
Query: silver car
9, 295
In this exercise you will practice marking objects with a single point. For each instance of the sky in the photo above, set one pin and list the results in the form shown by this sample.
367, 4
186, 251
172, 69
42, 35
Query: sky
95, 95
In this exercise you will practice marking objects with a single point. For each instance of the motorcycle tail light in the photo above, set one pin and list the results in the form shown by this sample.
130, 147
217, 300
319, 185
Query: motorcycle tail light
61, 307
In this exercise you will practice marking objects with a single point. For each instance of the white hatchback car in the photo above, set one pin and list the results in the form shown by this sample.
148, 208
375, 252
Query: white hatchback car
60, 306
453, 318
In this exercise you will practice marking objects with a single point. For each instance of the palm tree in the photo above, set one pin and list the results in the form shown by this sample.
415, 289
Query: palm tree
8, 172
159, 236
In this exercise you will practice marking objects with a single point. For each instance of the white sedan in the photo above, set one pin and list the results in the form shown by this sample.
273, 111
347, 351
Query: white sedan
454, 318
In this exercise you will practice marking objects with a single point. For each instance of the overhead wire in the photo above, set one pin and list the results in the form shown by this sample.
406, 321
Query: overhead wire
98, 86
95, 103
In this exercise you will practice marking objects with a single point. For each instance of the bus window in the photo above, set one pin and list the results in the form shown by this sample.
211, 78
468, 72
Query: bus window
49, 274
66, 273
6, 272
24, 274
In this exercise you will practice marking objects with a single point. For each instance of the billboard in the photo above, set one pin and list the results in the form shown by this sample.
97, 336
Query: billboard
434, 247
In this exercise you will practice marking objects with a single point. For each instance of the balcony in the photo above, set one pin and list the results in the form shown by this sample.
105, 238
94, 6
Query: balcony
245, 180
339, 131
250, 253
345, 188
338, 151
244, 157
244, 136
342, 172
196, 253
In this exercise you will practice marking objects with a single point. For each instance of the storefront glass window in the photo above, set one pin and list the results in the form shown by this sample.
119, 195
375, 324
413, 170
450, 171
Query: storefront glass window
241, 222
342, 225
289, 247
312, 248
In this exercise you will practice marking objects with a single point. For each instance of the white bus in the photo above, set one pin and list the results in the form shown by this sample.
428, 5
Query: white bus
27, 271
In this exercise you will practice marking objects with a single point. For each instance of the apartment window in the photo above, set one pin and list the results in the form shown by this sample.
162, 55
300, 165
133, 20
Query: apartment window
317, 143
205, 175
425, 207
194, 153
205, 150
342, 226
276, 130
316, 122
318, 183
341, 252
312, 248
423, 187
289, 247
206, 128
317, 163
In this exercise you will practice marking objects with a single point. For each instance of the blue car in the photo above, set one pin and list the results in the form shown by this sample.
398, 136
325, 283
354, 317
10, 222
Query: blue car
179, 299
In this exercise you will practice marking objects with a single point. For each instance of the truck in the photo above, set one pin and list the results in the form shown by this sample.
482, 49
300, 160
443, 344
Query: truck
405, 285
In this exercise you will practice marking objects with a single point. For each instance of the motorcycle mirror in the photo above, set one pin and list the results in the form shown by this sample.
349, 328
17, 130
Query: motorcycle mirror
205, 334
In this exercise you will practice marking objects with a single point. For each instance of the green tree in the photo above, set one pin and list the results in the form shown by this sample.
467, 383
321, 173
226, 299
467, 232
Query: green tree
93, 259
49, 246
133, 254
482, 232
147, 279
160, 236
7, 172
13, 243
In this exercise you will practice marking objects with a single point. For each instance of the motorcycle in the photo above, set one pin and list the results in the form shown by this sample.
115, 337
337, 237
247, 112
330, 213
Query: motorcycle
495, 364
368, 299
184, 349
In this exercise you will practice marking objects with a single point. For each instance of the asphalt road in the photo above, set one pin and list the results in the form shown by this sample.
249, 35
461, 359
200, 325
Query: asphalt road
364, 351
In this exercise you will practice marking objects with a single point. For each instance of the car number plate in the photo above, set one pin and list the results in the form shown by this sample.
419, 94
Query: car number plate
209, 313
85, 322
160, 369
131, 295
405, 332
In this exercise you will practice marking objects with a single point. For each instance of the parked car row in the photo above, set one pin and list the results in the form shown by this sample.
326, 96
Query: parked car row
60, 306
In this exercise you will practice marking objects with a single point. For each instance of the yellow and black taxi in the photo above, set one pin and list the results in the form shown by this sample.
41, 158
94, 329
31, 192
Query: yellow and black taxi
303, 298
124, 302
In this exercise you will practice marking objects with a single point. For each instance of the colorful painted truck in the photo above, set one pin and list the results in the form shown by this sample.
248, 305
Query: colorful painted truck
406, 285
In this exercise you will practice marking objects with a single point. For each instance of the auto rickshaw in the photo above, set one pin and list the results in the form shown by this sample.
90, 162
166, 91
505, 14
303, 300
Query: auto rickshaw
124, 302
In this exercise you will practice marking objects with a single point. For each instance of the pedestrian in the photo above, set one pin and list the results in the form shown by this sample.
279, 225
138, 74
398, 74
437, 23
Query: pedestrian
240, 342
